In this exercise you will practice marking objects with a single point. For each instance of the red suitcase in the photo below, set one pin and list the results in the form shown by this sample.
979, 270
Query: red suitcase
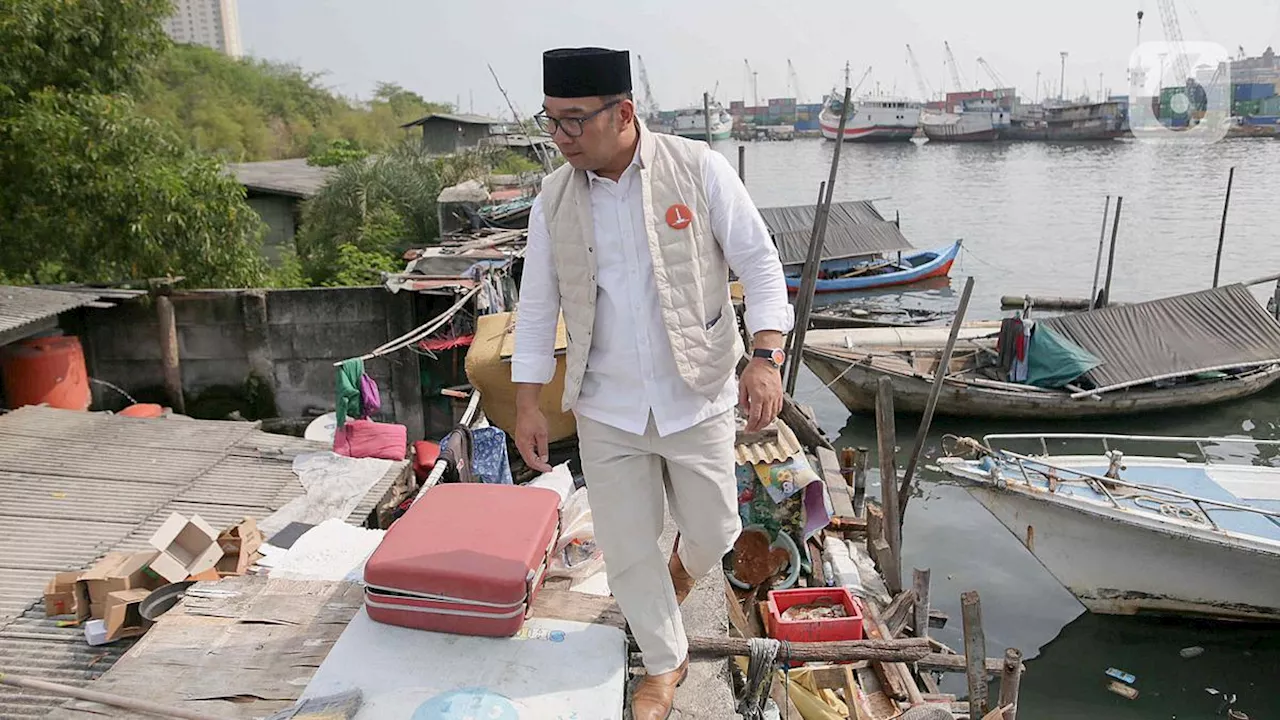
465, 558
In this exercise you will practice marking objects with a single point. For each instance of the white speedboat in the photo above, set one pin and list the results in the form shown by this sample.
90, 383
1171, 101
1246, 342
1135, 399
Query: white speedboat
1129, 533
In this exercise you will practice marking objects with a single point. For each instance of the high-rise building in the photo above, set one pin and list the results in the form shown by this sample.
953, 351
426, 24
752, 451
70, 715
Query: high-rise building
212, 23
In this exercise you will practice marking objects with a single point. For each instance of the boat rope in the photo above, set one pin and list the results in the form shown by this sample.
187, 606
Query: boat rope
762, 654
1169, 509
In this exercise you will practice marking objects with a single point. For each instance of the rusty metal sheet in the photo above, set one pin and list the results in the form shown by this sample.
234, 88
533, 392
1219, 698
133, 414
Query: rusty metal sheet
769, 452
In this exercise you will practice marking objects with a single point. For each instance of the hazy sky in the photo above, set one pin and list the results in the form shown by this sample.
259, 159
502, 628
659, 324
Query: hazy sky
440, 49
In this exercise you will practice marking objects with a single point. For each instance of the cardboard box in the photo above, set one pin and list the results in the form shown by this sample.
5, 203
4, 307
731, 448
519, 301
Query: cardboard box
210, 575
64, 595
124, 614
117, 571
186, 547
97, 611
239, 548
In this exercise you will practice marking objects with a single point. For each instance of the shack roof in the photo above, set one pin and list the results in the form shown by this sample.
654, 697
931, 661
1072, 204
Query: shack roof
1173, 337
75, 485
460, 118
292, 178
854, 229
27, 310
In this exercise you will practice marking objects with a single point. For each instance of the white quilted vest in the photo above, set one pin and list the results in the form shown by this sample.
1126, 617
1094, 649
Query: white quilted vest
689, 267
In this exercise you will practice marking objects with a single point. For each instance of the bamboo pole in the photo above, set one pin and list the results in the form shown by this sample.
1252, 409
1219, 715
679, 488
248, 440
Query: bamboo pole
886, 436
975, 652
905, 650
804, 302
860, 482
1102, 240
742, 163
117, 701
1222, 229
1111, 257
808, 273
939, 375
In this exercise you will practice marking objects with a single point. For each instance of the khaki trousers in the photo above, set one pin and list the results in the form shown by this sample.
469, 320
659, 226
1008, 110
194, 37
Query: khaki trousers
627, 477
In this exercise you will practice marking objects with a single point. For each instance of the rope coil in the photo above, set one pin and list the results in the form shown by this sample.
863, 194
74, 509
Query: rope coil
763, 655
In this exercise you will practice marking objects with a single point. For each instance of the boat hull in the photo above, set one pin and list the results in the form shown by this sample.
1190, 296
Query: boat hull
1117, 567
856, 386
939, 266
698, 134
870, 133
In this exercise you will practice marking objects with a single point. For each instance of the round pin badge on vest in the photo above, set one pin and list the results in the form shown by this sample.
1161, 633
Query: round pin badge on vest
679, 216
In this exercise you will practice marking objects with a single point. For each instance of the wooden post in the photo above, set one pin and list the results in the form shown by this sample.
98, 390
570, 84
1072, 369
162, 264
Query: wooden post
1275, 298
848, 460
860, 480
1111, 256
170, 361
920, 583
1010, 680
804, 300
939, 375
1102, 240
742, 163
886, 434
975, 652
706, 114
1222, 230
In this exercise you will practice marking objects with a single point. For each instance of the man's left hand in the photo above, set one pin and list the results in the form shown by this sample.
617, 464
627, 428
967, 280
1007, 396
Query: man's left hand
760, 392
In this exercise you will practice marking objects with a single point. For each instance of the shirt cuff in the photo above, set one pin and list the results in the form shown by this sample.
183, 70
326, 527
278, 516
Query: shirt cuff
781, 319
538, 371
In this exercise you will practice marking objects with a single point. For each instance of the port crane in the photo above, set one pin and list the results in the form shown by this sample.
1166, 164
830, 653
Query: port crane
991, 73
648, 104
753, 83
922, 85
955, 68
1173, 34
793, 83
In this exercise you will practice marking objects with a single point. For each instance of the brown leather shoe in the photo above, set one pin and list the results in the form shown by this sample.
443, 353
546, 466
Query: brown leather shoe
655, 693
680, 578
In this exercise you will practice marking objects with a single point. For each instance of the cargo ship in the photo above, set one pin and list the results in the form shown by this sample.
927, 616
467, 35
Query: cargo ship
980, 120
691, 123
1074, 122
875, 119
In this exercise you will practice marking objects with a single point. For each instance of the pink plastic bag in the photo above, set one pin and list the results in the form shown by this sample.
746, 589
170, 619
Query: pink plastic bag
369, 439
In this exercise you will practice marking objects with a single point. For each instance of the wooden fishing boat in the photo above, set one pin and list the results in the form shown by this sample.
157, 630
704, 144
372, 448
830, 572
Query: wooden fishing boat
1178, 352
1130, 534
860, 250
846, 275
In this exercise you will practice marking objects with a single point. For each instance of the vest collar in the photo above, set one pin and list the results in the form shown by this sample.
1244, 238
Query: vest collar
643, 156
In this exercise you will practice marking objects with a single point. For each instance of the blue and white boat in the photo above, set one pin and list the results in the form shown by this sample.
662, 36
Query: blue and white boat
1176, 532
844, 275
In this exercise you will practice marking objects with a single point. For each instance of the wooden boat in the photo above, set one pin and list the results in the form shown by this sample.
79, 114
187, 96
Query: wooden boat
851, 363
1130, 534
843, 275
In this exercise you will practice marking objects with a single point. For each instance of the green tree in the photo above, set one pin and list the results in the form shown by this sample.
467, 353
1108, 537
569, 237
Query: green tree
90, 189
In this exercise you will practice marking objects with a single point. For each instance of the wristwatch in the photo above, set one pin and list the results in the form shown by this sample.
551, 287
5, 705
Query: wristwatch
775, 356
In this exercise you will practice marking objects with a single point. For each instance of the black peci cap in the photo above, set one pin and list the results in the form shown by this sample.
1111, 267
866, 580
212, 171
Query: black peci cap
585, 72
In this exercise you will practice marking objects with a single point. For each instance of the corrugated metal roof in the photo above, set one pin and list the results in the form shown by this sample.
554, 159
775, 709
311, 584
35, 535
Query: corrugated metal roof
841, 241
24, 306
1173, 337
294, 178
769, 452
800, 217
461, 118
76, 485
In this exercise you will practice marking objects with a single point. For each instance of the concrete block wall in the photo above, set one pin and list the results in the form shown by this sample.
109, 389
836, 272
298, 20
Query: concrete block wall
287, 340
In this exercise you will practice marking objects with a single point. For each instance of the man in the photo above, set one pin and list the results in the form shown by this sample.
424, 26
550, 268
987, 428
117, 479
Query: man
633, 241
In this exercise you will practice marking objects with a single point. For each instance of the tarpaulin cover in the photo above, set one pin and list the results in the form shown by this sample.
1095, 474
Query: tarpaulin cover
854, 229
1053, 361
1173, 337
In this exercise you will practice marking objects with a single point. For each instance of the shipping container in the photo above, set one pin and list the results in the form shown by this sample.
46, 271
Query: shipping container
1263, 120
1269, 106
1252, 91
811, 108
737, 105
1244, 108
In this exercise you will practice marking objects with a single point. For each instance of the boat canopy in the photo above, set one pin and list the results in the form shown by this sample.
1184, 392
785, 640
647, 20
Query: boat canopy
1211, 330
854, 229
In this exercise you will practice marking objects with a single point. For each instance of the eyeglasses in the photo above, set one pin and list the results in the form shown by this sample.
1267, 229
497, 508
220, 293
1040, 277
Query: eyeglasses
572, 126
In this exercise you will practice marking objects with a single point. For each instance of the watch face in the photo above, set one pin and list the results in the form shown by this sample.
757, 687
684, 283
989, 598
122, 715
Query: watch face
778, 357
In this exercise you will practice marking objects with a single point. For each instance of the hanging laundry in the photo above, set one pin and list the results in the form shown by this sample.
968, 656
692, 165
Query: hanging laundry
347, 401
370, 398
1018, 373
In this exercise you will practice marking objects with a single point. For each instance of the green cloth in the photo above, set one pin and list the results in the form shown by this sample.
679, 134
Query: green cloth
348, 402
1053, 360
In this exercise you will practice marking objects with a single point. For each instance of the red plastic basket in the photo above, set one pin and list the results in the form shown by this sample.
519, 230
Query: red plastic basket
821, 630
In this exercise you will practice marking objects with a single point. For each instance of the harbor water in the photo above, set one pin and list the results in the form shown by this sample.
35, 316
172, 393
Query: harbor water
1030, 216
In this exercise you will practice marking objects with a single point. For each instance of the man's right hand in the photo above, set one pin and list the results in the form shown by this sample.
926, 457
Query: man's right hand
531, 432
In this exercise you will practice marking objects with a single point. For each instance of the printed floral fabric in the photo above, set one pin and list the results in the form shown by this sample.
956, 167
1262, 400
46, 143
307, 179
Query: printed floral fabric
798, 514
